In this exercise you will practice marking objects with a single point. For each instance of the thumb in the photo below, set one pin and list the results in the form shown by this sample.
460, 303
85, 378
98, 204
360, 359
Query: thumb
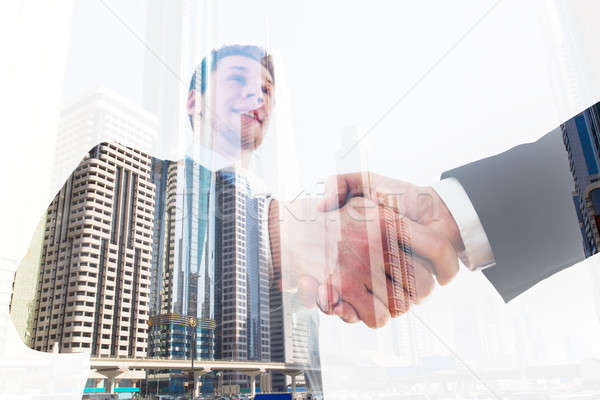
338, 189
307, 291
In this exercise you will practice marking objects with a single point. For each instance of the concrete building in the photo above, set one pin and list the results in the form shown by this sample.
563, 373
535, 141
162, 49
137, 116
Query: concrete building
97, 116
94, 282
241, 274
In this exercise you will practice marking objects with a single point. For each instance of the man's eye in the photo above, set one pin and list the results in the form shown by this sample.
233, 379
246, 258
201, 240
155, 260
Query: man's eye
238, 78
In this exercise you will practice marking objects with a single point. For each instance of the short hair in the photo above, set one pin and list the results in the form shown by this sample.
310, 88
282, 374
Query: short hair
254, 52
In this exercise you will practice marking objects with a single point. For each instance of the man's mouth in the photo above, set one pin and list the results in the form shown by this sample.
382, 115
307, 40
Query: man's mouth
253, 115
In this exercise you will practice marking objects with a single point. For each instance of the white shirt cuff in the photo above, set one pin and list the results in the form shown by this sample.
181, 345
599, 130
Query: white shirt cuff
478, 252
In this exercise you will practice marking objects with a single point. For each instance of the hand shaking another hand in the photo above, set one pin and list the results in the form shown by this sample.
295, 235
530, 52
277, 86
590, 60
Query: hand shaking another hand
369, 249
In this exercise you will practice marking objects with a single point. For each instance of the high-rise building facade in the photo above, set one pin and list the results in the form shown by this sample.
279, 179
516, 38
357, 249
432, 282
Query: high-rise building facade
241, 273
94, 282
294, 337
160, 252
294, 332
581, 135
182, 299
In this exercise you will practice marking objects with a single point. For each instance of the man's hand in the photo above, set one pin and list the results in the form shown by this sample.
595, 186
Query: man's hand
426, 234
351, 262
420, 204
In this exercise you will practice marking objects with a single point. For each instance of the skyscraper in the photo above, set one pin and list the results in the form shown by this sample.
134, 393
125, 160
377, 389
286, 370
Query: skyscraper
581, 135
294, 336
94, 281
241, 273
182, 299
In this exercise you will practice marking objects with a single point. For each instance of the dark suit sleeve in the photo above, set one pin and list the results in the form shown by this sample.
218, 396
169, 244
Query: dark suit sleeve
524, 200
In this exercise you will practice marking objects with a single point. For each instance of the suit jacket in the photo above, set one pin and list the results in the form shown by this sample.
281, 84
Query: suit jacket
524, 198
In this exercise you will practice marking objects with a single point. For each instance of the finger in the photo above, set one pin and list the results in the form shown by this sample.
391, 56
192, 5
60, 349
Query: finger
327, 298
428, 244
401, 294
399, 265
370, 309
336, 191
411, 276
369, 272
341, 187
307, 291
346, 312
424, 281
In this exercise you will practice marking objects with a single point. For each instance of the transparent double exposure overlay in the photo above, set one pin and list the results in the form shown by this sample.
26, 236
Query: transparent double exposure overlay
249, 186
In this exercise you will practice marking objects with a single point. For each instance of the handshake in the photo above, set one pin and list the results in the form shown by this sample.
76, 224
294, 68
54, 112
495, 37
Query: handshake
366, 251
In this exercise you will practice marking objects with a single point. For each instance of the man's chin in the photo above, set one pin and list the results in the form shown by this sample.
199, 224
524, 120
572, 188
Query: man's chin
228, 145
231, 143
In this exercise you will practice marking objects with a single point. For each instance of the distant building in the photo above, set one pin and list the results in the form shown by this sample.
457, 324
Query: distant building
94, 281
294, 338
581, 135
179, 31
100, 116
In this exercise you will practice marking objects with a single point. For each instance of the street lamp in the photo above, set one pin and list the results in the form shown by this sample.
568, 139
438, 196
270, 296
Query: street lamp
193, 323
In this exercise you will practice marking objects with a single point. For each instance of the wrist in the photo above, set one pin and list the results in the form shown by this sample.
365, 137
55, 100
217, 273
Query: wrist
476, 253
441, 218
454, 234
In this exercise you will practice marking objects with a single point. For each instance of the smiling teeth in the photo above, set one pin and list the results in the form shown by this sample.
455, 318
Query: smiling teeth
250, 114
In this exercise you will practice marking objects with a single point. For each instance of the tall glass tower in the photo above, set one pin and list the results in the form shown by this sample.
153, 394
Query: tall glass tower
581, 135
182, 306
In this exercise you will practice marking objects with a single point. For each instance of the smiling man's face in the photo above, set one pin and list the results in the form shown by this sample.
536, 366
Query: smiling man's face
240, 104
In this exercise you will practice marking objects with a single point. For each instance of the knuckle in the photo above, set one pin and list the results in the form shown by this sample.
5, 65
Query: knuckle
439, 246
381, 319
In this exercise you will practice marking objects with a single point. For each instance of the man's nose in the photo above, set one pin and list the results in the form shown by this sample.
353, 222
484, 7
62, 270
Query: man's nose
254, 96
